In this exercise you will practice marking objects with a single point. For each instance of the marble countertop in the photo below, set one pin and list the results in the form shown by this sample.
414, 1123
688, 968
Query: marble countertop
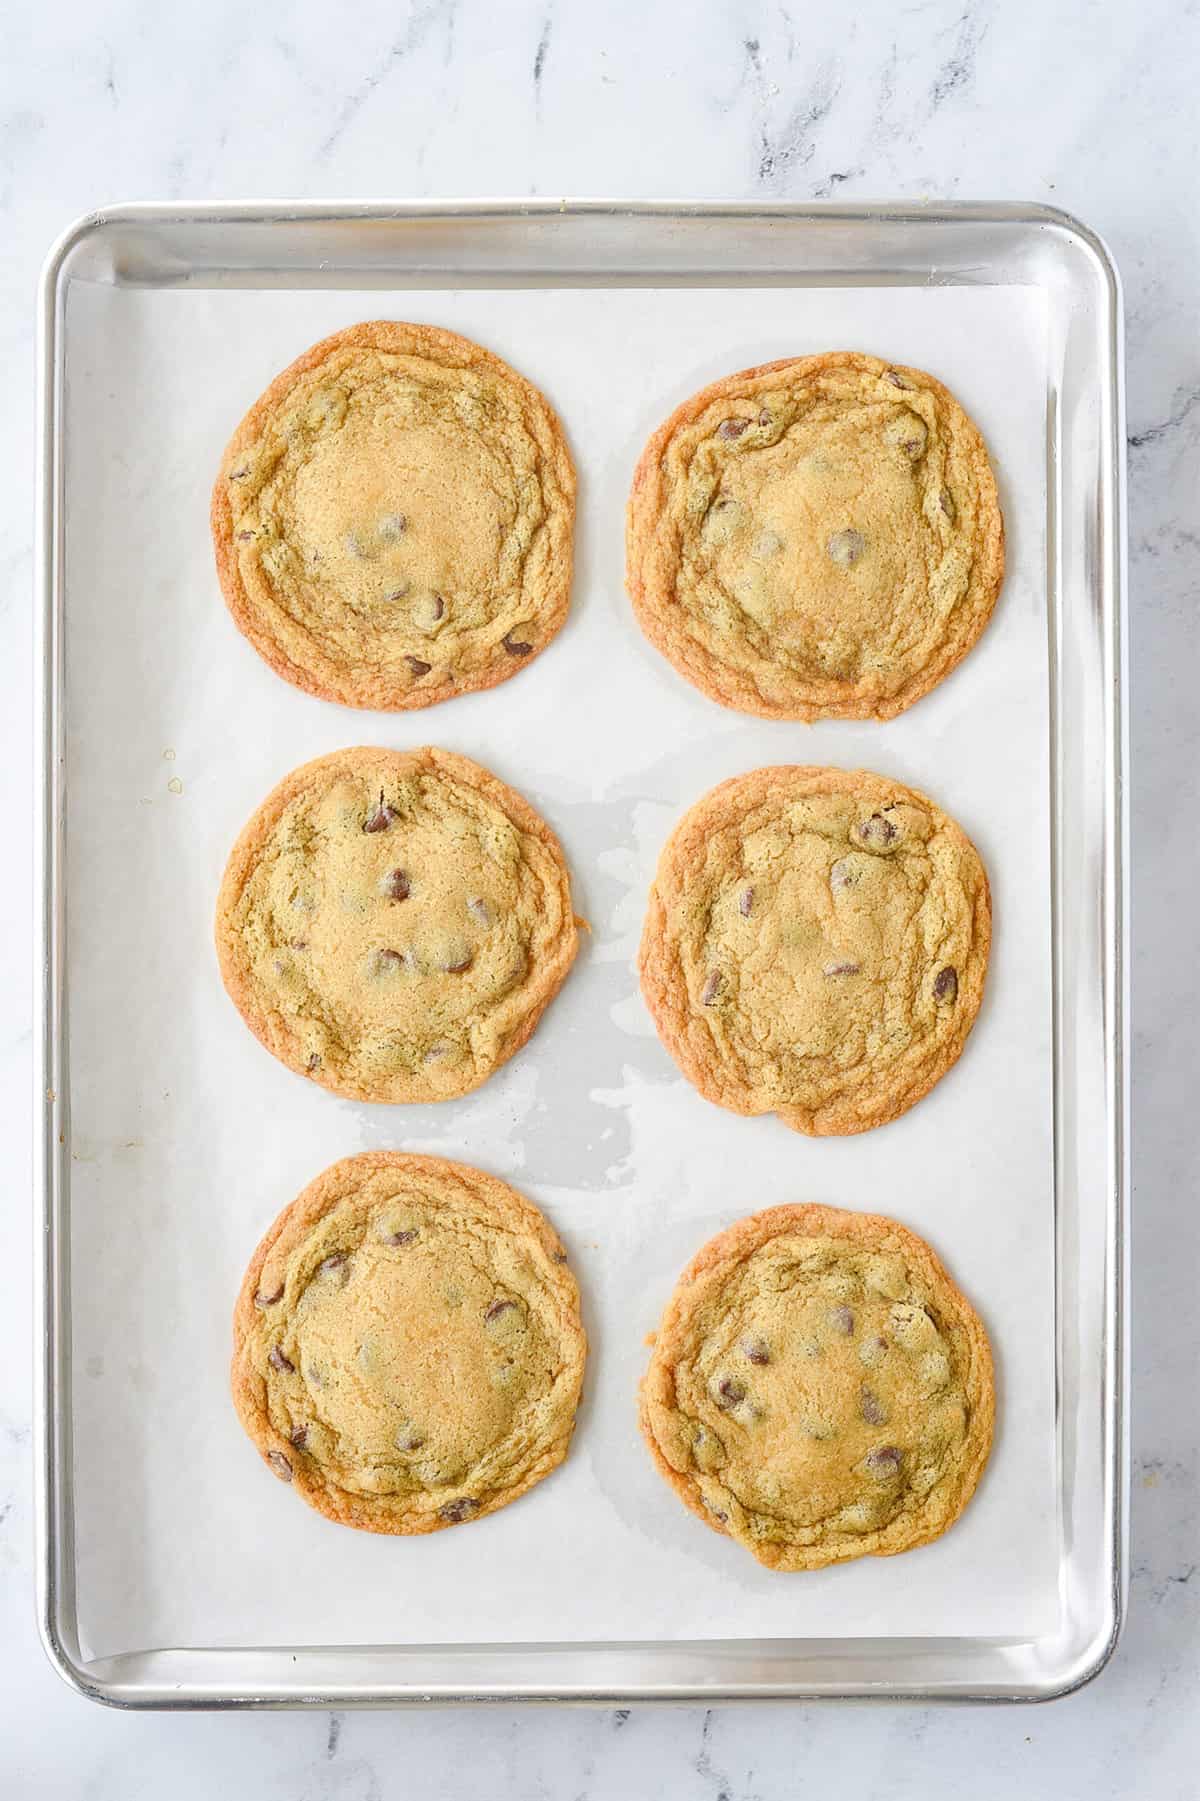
1089, 108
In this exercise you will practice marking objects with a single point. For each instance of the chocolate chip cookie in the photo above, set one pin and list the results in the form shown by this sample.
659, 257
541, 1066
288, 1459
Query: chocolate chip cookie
408, 1352
815, 946
393, 519
819, 1389
392, 924
816, 538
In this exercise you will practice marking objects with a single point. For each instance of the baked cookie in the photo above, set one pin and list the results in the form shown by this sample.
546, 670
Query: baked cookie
816, 538
407, 1349
815, 946
392, 924
393, 519
819, 1389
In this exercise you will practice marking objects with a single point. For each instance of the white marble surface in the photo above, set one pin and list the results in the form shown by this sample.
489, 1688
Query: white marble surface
1091, 107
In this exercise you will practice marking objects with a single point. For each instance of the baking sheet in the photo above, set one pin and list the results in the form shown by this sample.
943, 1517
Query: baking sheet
187, 1138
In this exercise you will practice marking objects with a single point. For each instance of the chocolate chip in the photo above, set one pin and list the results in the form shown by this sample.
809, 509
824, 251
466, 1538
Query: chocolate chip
408, 1440
463, 959
455, 1512
268, 1300
392, 525
418, 665
278, 1361
745, 902
314, 1062
355, 545
843, 1319
945, 984
499, 1307
239, 475
755, 1350
385, 962
876, 833
896, 379
380, 820
884, 1462
299, 944
395, 885
408, 1237
719, 1513
764, 417
846, 547
327, 1264
844, 874
732, 428
730, 1393
711, 989
399, 593
480, 910
559, 1257
245, 537
516, 647
437, 608
947, 505
872, 1408
299, 1436
280, 1465
841, 969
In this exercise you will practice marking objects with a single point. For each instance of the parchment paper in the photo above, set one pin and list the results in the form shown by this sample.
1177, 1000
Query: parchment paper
187, 1138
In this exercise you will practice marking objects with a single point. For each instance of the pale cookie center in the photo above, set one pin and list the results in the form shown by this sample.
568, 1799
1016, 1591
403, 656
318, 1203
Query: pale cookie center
405, 1367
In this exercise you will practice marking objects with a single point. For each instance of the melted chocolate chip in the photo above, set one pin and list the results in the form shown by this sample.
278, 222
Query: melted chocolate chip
845, 547
745, 902
841, 969
437, 608
455, 1512
883, 1462
843, 1319
877, 832
711, 989
755, 1350
480, 910
499, 1307
872, 1408
462, 961
384, 962
299, 1436
239, 475
395, 885
719, 1513
380, 819
764, 417
408, 1237
328, 1264
732, 428
314, 1062
280, 1465
278, 1361
418, 665
843, 875
730, 1393
896, 379
945, 984
947, 505
268, 1300
408, 1440
516, 647
392, 525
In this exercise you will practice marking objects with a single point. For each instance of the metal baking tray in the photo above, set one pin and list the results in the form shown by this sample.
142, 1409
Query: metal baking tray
565, 249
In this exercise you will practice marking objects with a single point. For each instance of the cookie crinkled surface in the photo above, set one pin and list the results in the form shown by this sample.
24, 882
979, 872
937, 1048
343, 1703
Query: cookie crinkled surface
815, 945
393, 924
819, 537
408, 1351
393, 519
819, 1389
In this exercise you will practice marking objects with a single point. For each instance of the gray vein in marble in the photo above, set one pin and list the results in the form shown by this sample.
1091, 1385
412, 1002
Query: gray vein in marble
956, 75
1181, 411
420, 26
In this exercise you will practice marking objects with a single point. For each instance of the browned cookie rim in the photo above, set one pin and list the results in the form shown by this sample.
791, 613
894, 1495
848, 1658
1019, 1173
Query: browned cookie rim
660, 616
286, 1233
451, 349
665, 991
256, 831
736, 1244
